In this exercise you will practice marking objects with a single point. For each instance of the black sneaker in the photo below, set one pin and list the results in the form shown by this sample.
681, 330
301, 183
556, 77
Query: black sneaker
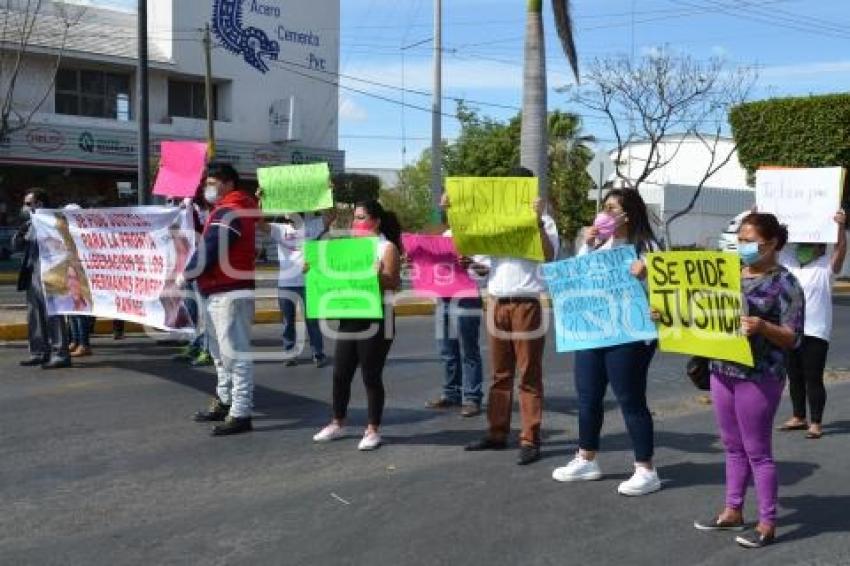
715, 524
291, 362
754, 539
320, 361
233, 425
528, 454
216, 412
33, 361
486, 443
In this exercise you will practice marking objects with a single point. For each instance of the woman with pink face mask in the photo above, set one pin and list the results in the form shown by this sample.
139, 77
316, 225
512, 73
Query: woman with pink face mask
624, 221
364, 342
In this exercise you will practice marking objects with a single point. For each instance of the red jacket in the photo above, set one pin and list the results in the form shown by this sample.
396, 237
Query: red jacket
233, 269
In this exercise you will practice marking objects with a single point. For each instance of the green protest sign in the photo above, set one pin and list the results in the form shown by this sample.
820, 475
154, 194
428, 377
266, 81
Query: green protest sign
295, 188
342, 281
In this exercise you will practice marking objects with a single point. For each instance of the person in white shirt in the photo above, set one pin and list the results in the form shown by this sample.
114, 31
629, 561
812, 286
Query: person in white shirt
517, 338
290, 236
815, 270
624, 221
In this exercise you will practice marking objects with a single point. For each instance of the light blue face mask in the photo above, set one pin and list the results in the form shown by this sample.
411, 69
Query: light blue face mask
749, 252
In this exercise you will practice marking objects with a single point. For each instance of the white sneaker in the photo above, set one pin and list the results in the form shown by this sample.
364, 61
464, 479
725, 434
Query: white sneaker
371, 441
330, 432
641, 483
578, 469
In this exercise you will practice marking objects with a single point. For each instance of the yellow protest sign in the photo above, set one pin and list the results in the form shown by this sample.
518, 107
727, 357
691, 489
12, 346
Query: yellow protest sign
698, 296
494, 216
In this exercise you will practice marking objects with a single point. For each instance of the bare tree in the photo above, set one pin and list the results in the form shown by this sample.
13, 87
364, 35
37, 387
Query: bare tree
659, 95
19, 33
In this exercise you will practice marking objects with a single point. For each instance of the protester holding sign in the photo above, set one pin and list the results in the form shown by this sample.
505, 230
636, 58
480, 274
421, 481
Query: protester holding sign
516, 328
746, 399
366, 342
223, 267
815, 270
47, 335
624, 221
290, 235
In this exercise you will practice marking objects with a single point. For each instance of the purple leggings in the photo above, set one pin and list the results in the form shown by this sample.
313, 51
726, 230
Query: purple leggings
744, 412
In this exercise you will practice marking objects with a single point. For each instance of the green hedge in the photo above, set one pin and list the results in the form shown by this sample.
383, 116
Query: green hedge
809, 131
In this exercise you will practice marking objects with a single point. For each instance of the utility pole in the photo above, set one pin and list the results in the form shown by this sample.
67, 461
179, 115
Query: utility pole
437, 114
208, 90
144, 111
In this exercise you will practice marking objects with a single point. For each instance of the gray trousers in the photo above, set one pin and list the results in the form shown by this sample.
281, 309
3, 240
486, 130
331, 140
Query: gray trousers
47, 335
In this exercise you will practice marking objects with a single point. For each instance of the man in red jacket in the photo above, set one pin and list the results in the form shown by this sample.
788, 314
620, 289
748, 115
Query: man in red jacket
223, 267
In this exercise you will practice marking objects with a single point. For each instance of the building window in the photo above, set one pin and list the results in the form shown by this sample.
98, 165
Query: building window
93, 93
188, 100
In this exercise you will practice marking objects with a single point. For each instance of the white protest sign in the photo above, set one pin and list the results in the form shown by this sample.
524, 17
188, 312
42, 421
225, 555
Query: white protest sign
118, 263
805, 200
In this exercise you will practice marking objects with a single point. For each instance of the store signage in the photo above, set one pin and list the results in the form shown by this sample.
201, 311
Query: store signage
70, 146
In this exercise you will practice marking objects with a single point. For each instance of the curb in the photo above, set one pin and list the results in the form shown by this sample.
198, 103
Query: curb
18, 331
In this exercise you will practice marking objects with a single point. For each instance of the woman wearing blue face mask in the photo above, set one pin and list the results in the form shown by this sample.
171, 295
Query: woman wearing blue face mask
745, 399
815, 270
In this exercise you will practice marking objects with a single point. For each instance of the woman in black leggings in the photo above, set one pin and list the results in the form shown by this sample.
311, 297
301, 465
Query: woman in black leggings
366, 342
814, 269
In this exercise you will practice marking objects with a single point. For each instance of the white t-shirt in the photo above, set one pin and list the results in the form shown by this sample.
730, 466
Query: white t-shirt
290, 249
513, 277
816, 280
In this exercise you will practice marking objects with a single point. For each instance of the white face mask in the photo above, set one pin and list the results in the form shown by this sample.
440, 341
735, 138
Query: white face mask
211, 194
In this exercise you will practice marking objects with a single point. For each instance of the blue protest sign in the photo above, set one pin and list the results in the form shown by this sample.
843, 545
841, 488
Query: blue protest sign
597, 302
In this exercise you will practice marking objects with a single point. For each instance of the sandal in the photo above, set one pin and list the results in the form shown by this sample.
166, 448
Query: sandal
811, 435
789, 427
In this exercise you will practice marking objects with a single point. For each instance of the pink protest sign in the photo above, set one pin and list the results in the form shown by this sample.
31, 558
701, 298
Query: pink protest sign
181, 166
435, 270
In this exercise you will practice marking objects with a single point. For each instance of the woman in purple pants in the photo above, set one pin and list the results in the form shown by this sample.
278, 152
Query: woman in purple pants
746, 399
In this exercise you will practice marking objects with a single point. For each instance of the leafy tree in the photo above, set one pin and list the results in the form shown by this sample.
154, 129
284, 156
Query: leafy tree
411, 199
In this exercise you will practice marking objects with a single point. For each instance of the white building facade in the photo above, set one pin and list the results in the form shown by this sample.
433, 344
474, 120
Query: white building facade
275, 93
670, 188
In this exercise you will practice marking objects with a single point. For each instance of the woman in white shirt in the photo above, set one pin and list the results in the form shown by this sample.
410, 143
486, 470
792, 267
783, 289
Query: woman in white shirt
815, 270
623, 222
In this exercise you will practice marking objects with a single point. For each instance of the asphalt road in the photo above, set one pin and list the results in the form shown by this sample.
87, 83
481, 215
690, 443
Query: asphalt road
100, 464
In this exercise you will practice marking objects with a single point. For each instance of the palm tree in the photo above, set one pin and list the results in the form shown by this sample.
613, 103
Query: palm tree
534, 138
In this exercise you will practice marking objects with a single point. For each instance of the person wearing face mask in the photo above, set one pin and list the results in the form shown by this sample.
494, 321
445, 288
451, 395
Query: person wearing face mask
516, 325
223, 267
745, 399
364, 342
624, 221
47, 335
815, 270
290, 235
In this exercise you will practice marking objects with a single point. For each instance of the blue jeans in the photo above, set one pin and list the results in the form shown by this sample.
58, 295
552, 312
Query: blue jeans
626, 368
197, 310
287, 297
457, 338
81, 327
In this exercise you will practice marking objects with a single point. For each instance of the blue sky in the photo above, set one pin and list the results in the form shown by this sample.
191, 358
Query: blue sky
799, 46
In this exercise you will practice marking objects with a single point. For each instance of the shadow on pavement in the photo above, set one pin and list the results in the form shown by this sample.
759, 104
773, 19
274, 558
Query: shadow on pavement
688, 474
812, 515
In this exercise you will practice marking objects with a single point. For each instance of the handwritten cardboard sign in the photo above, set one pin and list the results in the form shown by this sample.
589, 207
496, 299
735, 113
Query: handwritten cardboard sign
295, 188
342, 279
495, 216
805, 200
181, 168
597, 301
698, 295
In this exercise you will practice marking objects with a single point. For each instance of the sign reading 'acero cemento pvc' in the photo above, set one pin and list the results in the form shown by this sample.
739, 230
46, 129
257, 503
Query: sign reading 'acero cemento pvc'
255, 30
